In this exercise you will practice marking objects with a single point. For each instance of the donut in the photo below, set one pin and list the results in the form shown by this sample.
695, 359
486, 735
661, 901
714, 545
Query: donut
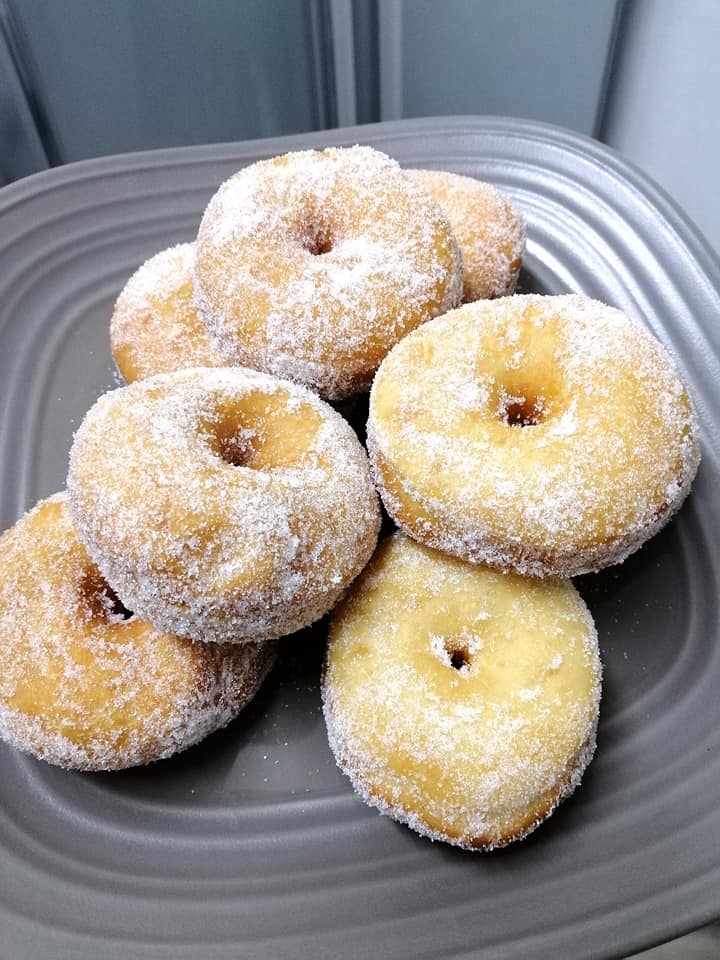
549, 435
458, 700
155, 327
85, 683
488, 229
312, 265
222, 504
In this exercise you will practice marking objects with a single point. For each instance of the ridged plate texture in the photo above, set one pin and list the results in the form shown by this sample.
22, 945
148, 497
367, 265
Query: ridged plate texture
253, 844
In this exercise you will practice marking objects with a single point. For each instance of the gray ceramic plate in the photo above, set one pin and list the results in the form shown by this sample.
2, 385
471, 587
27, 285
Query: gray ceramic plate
253, 844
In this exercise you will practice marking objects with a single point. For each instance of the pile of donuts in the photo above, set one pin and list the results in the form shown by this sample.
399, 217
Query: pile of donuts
219, 501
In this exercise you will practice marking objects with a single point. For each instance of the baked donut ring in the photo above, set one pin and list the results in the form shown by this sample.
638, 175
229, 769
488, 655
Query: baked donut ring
458, 700
550, 435
87, 685
222, 504
155, 327
312, 265
489, 230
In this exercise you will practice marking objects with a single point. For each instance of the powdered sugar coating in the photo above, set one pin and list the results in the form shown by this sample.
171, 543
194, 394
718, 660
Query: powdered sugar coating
155, 327
461, 701
312, 265
550, 435
83, 686
489, 230
222, 504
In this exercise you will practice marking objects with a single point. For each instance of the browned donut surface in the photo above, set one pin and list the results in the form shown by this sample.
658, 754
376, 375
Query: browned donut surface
155, 327
549, 435
223, 504
488, 228
86, 684
312, 265
458, 700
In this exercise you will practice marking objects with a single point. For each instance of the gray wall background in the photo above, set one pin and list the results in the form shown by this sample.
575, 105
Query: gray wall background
82, 78
662, 107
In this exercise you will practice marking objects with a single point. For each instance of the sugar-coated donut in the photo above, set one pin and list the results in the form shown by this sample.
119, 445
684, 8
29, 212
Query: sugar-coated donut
459, 700
550, 435
85, 684
312, 265
222, 504
488, 229
155, 327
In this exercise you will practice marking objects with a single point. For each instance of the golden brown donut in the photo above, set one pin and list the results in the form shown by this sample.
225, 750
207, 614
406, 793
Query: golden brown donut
458, 700
155, 326
550, 435
312, 265
222, 504
489, 230
84, 683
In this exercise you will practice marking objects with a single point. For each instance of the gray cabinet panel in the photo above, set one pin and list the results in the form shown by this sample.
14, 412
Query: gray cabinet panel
110, 76
21, 148
524, 58
119, 75
662, 107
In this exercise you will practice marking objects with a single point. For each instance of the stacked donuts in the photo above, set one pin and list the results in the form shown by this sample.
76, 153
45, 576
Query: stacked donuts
209, 512
218, 502
515, 442
309, 266
213, 508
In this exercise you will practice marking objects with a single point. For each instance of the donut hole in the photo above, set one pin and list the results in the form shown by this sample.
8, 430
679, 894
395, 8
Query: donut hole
317, 239
521, 410
233, 446
454, 651
459, 658
101, 600
233, 436
263, 432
